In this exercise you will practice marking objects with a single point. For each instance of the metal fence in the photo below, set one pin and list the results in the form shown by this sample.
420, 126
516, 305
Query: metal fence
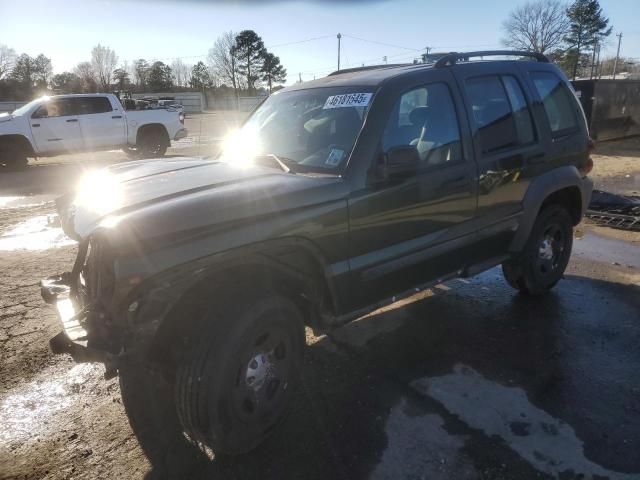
612, 107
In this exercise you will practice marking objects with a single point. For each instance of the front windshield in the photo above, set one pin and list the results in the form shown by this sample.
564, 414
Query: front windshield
308, 130
25, 108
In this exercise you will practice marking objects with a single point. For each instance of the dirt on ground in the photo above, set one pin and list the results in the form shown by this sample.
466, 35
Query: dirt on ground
465, 380
616, 166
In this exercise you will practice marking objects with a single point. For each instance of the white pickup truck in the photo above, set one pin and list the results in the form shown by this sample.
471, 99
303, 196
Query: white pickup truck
51, 126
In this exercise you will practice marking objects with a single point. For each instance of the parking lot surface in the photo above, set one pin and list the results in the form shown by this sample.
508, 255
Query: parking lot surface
464, 380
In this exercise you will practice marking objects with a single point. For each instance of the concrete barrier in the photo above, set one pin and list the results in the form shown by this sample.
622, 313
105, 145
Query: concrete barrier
10, 106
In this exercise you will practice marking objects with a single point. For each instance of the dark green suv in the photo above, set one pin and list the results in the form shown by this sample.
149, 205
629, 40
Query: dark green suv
196, 277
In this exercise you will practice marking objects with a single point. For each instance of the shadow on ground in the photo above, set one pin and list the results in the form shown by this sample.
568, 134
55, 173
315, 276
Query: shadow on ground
570, 356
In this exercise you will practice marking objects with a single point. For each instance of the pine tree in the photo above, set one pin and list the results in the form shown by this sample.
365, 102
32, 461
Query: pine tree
272, 70
587, 26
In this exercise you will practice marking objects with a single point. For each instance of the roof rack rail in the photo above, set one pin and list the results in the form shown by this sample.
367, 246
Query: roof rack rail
453, 57
369, 67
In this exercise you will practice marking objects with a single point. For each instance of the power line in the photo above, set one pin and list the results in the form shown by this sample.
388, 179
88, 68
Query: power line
300, 41
380, 43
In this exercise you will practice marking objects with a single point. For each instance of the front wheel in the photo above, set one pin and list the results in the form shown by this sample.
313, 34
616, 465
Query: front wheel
13, 159
546, 254
239, 372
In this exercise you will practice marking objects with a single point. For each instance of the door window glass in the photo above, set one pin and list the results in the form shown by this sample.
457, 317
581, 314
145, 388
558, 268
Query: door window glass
491, 113
90, 105
426, 118
521, 113
55, 108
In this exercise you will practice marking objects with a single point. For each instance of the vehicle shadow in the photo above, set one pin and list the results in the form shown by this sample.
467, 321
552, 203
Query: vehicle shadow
338, 428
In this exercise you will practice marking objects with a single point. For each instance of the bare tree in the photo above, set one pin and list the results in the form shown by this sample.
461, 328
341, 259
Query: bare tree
222, 60
181, 72
7, 59
538, 26
85, 72
103, 62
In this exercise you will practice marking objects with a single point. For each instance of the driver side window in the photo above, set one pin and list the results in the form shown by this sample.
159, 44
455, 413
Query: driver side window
425, 117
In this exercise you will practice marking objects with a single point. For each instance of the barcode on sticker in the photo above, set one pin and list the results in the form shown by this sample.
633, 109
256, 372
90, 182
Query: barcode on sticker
348, 100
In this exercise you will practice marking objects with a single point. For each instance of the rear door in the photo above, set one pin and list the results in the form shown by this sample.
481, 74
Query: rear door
507, 147
102, 124
55, 127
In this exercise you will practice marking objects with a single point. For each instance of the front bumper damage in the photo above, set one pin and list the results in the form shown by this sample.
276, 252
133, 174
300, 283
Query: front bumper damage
74, 338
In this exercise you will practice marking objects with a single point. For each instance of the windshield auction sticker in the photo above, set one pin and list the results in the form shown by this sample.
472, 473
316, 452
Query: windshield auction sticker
348, 100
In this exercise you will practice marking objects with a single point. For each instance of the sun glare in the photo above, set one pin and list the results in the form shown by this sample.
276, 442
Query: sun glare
241, 146
99, 191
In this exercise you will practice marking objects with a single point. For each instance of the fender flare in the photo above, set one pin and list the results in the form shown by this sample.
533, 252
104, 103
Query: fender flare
539, 190
160, 293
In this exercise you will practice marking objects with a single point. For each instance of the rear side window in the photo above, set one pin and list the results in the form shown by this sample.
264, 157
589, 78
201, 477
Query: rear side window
558, 105
89, 105
500, 112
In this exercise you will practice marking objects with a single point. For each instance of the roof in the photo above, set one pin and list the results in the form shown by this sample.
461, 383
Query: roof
374, 75
361, 77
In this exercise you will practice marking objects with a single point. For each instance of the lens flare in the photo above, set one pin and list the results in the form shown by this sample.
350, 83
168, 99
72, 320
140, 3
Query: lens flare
99, 191
241, 147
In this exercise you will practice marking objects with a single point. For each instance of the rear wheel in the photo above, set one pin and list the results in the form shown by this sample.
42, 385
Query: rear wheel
238, 375
546, 254
152, 143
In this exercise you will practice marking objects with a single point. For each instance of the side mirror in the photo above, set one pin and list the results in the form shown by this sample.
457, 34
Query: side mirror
402, 161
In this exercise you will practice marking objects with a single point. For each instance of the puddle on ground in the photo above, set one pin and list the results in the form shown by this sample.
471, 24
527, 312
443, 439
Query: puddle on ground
418, 446
607, 250
547, 443
26, 409
37, 233
25, 201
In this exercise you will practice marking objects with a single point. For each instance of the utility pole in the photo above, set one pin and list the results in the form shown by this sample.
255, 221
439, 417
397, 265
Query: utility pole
593, 57
384, 59
339, 37
299, 77
615, 64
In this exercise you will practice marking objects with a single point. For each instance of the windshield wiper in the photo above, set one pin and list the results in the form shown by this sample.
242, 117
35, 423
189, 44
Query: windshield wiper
286, 164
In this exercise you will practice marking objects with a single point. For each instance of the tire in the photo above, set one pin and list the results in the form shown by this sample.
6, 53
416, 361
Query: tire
541, 264
152, 144
132, 153
13, 159
150, 406
235, 383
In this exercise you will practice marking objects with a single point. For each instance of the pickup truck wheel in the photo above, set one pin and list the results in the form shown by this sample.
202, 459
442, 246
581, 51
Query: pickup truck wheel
13, 159
153, 144
545, 256
237, 379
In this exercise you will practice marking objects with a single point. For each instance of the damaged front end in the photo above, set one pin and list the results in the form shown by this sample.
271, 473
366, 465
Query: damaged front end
83, 301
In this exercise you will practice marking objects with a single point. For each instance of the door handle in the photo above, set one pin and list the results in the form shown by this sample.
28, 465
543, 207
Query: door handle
35, 124
117, 116
72, 120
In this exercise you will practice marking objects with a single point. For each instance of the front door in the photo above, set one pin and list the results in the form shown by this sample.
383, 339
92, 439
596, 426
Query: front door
411, 230
55, 127
102, 125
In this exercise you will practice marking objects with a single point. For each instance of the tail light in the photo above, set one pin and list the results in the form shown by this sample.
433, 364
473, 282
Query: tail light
181, 118
586, 168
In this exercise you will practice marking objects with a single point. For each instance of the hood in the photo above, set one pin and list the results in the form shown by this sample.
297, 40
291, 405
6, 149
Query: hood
166, 196
5, 117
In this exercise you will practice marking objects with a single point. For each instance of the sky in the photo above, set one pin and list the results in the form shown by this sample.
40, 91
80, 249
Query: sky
301, 33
